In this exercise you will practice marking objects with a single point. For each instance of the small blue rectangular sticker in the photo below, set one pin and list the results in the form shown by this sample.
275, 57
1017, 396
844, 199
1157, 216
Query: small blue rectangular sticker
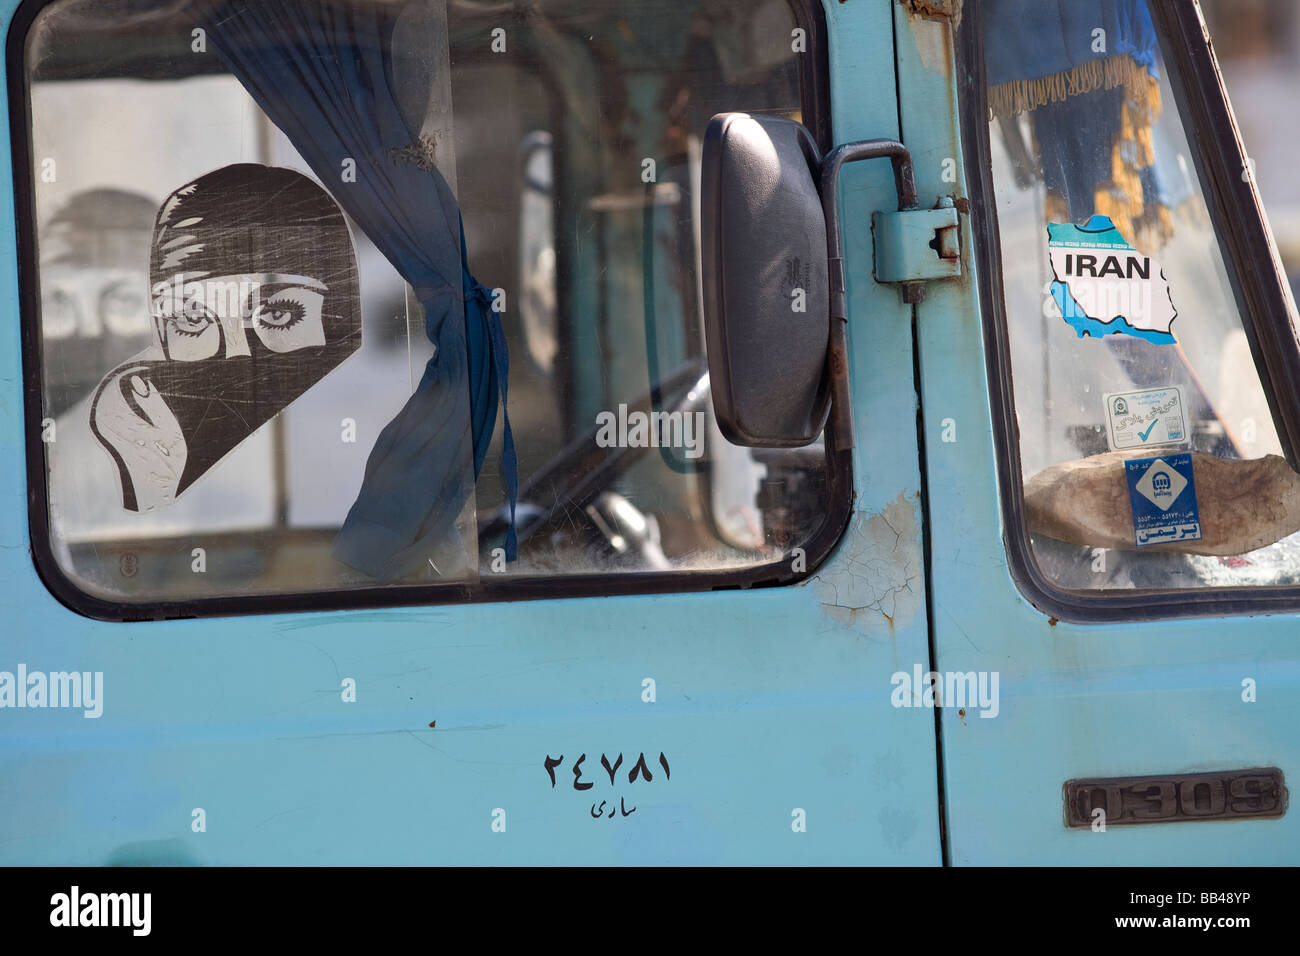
1163, 495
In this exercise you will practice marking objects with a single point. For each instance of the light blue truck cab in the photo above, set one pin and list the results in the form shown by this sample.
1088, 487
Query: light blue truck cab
673, 432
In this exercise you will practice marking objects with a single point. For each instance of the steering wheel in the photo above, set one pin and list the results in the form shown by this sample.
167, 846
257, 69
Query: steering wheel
583, 471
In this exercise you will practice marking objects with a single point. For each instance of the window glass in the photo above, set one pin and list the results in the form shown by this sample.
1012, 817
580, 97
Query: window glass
268, 365
1149, 452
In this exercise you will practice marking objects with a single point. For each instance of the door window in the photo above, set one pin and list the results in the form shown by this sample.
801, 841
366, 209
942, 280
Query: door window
1151, 444
277, 255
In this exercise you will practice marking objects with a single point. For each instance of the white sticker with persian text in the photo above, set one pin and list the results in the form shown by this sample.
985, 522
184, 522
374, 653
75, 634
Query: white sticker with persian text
1145, 419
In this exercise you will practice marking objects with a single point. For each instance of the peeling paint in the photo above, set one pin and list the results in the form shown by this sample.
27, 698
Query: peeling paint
932, 41
876, 583
943, 9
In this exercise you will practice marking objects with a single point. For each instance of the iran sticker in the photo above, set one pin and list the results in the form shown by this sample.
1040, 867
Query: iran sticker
1103, 286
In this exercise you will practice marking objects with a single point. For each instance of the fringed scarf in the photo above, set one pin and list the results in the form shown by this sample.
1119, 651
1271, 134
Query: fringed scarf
1084, 73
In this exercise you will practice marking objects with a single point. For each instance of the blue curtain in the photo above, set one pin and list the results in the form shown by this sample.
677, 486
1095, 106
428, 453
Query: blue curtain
323, 73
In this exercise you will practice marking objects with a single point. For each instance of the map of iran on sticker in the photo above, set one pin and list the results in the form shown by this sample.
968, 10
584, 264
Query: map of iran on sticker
1162, 492
1145, 419
1103, 286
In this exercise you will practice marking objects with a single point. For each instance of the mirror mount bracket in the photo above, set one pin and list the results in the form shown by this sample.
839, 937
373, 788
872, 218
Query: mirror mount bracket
905, 182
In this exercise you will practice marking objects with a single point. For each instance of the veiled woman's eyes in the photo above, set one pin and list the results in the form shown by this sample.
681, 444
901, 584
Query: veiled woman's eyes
280, 315
290, 319
193, 321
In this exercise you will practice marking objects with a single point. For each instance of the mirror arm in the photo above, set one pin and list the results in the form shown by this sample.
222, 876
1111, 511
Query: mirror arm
905, 181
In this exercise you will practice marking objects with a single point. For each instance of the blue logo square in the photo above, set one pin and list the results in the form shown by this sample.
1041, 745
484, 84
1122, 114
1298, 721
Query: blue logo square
1162, 492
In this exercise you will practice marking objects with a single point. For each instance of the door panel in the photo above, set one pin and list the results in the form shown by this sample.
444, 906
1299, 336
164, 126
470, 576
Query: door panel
766, 702
1156, 698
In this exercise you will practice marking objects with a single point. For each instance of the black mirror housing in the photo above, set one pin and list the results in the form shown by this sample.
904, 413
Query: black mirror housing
766, 284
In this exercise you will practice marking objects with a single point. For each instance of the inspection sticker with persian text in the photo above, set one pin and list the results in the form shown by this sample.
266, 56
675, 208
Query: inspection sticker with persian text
1145, 419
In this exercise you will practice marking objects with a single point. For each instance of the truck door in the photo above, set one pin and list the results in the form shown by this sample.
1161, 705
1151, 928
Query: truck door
1110, 407
273, 591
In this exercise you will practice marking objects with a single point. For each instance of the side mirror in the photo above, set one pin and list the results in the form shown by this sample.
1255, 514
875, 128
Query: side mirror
766, 290
775, 311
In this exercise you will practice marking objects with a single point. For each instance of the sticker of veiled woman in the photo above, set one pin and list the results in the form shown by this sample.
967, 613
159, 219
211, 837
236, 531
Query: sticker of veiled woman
255, 298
